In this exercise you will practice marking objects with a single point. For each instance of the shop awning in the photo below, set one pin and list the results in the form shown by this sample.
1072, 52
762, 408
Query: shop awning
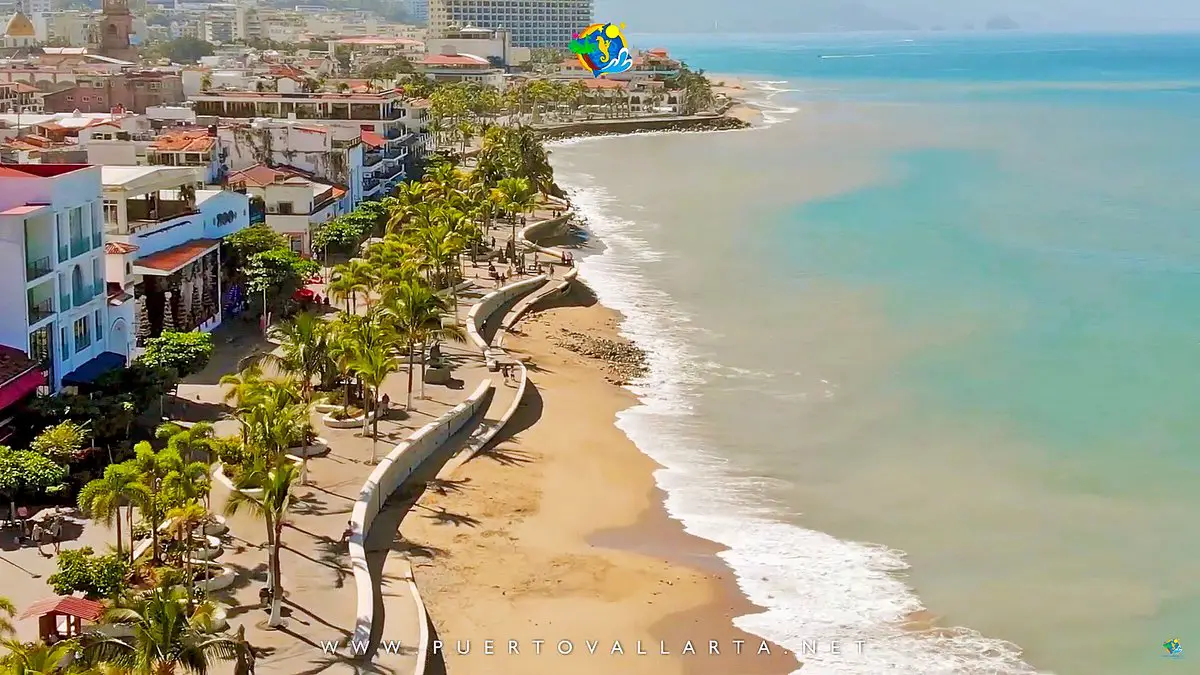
89, 371
171, 260
20, 376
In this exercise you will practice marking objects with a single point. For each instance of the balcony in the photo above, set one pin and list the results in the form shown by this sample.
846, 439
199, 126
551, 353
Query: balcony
80, 245
392, 155
36, 269
64, 302
372, 159
370, 184
391, 132
40, 311
64, 253
143, 213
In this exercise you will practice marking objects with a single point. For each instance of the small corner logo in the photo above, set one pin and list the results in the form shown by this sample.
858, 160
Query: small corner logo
1174, 649
601, 49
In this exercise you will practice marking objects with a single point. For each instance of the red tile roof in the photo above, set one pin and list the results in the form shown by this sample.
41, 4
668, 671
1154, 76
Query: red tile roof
88, 610
39, 170
455, 60
261, 175
13, 364
186, 141
175, 257
373, 139
119, 248
601, 83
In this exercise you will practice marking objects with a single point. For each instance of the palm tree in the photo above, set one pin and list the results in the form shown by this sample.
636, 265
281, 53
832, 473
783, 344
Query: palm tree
187, 441
373, 364
413, 310
169, 635
7, 611
515, 195
304, 341
190, 482
272, 508
354, 277
36, 658
101, 498
184, 521
152, 469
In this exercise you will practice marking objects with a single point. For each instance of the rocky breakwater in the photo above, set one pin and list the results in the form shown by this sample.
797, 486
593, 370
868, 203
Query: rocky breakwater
636, 125
623, 360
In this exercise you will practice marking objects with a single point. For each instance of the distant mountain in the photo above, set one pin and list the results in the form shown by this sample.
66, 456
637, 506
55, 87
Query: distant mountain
1001, 22
747, 16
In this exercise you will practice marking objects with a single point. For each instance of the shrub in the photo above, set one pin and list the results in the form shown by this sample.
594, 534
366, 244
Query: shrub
229, 451
96, 576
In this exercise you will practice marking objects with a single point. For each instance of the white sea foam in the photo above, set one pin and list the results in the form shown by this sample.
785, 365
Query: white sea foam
814, 587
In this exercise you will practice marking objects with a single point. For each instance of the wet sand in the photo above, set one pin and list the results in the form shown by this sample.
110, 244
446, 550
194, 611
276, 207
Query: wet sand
559, 535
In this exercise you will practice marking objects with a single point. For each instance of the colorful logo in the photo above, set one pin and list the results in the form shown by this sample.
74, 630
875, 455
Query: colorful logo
601, 49
1174, 649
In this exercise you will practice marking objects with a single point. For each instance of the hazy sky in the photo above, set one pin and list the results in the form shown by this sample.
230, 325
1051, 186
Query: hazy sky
799, 15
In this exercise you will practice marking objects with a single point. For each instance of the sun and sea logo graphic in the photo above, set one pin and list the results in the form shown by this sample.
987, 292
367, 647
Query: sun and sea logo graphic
1174, 649
601, 49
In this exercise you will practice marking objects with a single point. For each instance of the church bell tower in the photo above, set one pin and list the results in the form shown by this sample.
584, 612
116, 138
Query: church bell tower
116, 25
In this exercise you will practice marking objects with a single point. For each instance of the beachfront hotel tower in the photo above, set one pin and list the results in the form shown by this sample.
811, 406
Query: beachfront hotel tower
533, 23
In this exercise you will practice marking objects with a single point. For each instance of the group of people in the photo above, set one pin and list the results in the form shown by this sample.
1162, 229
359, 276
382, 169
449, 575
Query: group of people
47, 530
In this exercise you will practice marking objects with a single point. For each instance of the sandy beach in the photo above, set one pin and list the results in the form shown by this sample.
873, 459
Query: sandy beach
559, 535
736, 90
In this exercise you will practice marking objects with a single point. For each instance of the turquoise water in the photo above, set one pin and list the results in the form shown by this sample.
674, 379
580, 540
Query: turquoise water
947, 302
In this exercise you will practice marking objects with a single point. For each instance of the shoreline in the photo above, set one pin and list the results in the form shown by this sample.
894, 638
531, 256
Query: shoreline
589, 551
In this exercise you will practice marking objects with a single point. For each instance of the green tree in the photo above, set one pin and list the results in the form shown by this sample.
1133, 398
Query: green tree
23, 472
305, 346
259, 238
271, 506
61, 442
168, 635
37, 658
195, 440
277, 273
373, 364
7, 611
80, 570
184, 520
101, 498
184, 353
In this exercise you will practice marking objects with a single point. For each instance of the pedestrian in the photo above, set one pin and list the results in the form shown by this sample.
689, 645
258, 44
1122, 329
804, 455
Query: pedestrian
38, 532
348, 532
493, 242
384, 403
56, 532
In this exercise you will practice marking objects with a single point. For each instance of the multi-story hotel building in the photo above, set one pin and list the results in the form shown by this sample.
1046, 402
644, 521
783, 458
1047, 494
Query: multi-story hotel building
534, 23
56, 307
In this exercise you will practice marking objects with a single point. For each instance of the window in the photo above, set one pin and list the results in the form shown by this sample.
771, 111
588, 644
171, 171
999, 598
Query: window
65, 345
285, 208
83, 336
128, 269
110, 212
86, 99
99, 326
70, 98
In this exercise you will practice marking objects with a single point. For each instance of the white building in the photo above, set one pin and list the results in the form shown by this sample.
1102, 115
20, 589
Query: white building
192, 148
492, 44
52, 249
329, 153
534, 23
451, 66
163, 245
294, 204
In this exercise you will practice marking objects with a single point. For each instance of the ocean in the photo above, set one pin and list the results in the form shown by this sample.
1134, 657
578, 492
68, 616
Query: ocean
927, 342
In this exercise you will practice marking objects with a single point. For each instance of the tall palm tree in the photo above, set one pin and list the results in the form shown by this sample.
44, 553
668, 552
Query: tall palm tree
272, 507
168, 635
152, 469
412, 309
304, 342
373, 364
101, 498
515, 195
185, 518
